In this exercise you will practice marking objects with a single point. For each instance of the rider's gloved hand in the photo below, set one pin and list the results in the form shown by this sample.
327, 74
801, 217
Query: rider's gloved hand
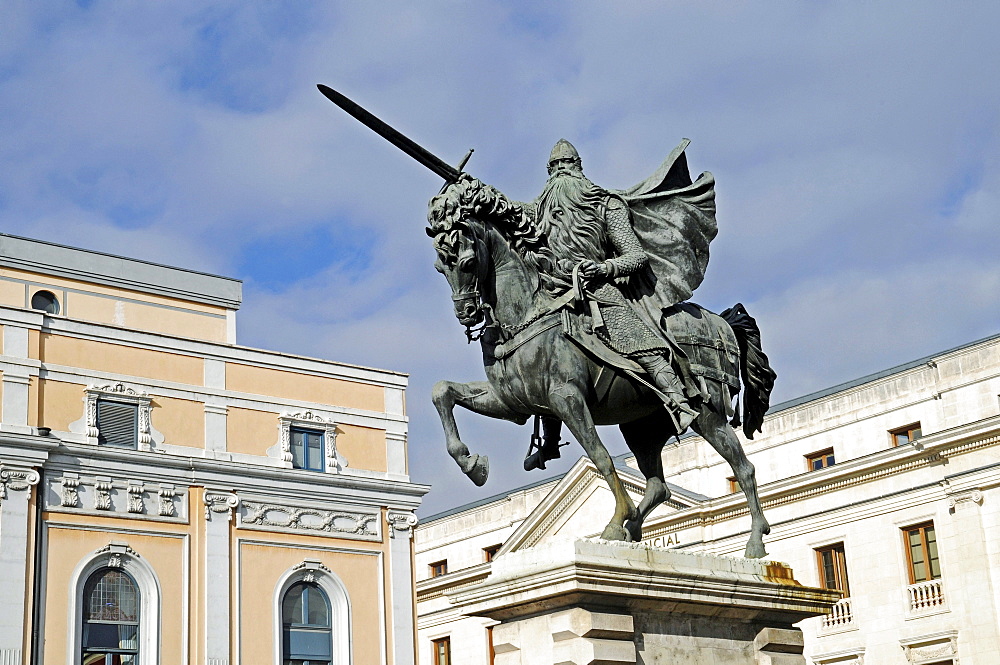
591, 269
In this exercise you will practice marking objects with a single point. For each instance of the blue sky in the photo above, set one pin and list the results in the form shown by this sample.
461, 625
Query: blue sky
856, 149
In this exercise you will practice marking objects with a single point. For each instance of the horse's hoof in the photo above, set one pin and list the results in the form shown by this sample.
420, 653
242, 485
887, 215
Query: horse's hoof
634, 529
614, 532
755, 549
478, 469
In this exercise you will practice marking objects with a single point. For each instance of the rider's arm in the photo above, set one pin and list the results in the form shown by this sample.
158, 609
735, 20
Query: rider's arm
630, 255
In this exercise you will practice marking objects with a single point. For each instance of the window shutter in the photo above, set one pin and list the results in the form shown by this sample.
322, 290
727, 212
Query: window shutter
117, 423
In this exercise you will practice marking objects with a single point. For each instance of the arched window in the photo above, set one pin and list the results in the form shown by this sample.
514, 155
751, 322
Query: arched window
306, 630
111, 605
45, 301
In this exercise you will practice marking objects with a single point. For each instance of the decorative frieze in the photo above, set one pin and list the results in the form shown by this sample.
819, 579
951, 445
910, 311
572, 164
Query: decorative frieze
403, 522
291, 518
72, 492
220, 503
931, 648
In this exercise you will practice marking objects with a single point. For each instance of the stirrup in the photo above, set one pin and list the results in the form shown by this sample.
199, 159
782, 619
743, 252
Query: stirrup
538, 452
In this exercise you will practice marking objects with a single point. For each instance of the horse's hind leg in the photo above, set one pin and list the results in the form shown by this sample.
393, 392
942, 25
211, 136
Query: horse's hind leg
718, 432
569, 405
479, 397
645, 438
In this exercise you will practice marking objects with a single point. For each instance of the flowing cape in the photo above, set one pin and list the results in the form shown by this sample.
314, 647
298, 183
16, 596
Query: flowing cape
674, 219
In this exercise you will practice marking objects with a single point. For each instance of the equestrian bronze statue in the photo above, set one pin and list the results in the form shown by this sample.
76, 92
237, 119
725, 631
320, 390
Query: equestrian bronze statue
579, 303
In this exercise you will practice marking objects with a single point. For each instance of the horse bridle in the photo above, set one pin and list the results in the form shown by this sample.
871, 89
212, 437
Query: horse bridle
473, 333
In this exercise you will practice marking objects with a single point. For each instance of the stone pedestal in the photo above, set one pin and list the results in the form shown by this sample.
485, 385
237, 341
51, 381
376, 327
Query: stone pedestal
598, 602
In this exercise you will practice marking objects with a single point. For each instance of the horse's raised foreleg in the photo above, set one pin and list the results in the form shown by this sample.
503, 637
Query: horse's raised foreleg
569, 405
718, 432
479, 397
645, 438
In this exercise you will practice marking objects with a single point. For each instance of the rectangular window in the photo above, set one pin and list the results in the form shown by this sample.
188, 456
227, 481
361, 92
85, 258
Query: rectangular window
307, 449
922, 552
490, 552
820, 460
442, 651
117, 423
833, 568
734, 485
489, 644
439, 568
904, 435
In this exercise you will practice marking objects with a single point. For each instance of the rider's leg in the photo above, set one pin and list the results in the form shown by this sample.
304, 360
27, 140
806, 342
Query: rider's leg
666, 381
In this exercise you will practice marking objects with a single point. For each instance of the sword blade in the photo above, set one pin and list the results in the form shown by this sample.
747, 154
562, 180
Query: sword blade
422, 155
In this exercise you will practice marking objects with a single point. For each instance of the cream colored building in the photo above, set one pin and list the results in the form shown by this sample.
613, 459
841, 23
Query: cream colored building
167, 496
885, 487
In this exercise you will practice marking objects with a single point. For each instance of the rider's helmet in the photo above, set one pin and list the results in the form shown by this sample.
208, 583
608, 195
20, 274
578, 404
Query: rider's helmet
564, 157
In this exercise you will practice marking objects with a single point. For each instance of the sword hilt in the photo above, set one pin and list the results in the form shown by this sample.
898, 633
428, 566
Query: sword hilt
461, 166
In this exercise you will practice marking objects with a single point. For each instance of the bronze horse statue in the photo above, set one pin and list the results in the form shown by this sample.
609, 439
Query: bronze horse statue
535, 367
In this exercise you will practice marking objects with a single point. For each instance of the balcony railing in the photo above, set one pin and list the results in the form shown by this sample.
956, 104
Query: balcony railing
841, 616
926, 595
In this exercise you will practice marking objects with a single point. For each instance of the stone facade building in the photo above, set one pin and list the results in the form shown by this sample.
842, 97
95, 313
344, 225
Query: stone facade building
885, 488
167, 496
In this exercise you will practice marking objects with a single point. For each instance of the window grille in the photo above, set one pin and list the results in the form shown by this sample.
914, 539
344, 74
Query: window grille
110, 619
117, 423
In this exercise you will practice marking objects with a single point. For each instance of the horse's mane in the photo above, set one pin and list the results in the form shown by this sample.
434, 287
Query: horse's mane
469, 198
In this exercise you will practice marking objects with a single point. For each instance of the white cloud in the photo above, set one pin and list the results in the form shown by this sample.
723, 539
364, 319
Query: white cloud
855, 149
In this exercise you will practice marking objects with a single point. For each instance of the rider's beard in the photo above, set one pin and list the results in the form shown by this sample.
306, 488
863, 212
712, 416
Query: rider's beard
579, 232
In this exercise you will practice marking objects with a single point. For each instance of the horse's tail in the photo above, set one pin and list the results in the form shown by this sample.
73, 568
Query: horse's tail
758, 377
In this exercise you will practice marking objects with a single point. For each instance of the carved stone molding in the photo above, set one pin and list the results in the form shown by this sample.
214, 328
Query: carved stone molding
848, 657
967, 496
115, 552
311, 570
102, 498
119, 392
135, 492
220, 503
17, 479
69, 496
166, 501
310, 519
931, 648
310, 420
403, 522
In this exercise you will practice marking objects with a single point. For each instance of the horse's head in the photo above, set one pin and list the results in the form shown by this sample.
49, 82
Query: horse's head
461, 252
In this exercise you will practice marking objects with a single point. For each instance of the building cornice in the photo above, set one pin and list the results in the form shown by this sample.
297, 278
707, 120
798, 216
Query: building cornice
926, 451
46, 258
216, 351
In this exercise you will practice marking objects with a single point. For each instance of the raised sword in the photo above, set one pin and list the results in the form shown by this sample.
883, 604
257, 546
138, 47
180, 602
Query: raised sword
410, 147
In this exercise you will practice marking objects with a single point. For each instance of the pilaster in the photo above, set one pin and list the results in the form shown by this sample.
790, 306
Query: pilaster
15, 492
219, 510
400, 530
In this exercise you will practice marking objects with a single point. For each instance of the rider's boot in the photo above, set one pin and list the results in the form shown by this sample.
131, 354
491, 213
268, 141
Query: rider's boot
667, 382
549, 448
